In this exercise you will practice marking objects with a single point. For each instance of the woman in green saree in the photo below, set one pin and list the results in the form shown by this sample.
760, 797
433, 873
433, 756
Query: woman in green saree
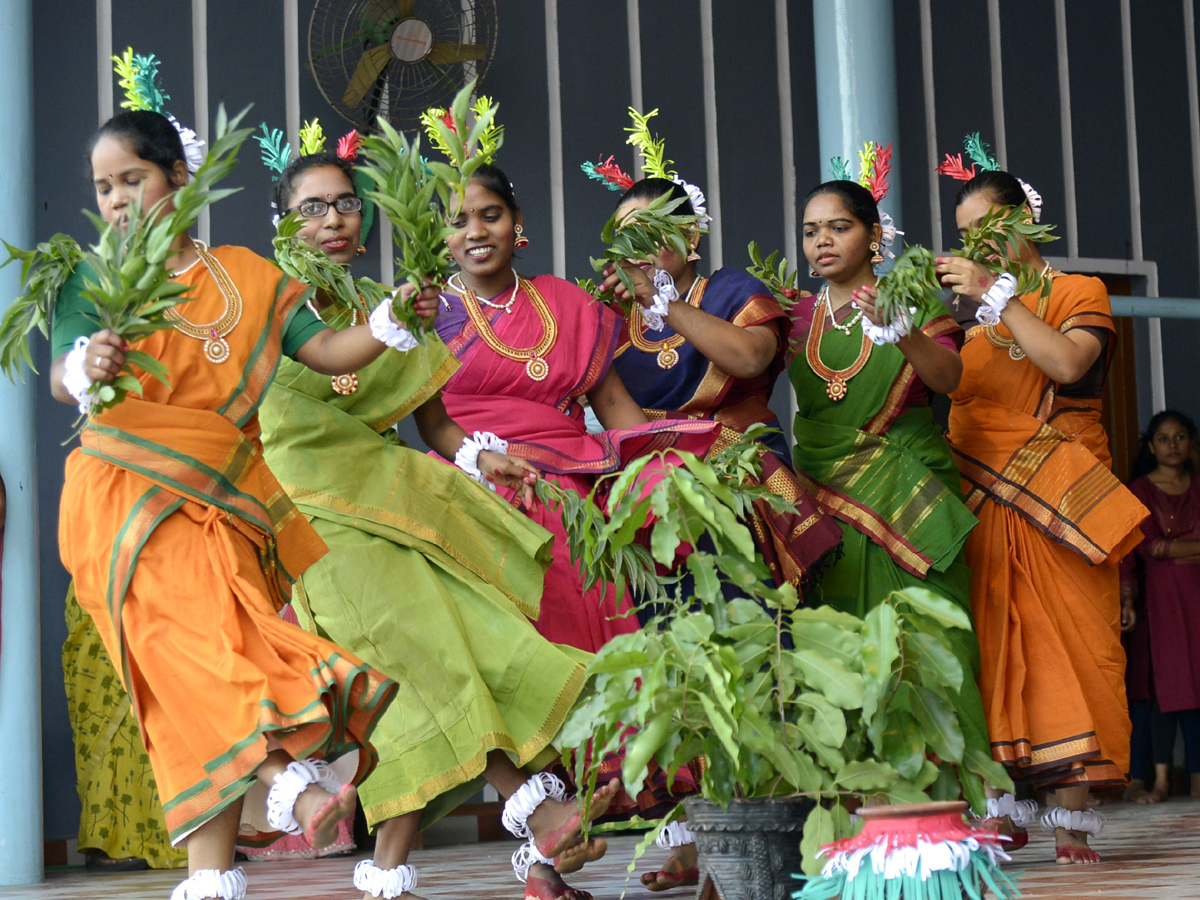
866, 444
454, 572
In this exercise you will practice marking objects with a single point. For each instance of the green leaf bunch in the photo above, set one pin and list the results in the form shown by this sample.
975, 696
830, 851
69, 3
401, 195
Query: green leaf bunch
44, 271
130, 286
779, 700
642, 234
405, 188
470, 139
779, 278
1000, 235
912, 282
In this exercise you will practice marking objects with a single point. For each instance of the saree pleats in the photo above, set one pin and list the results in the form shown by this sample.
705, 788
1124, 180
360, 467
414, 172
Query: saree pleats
430, 577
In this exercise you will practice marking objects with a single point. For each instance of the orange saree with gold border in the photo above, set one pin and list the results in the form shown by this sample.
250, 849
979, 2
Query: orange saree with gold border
1053, 524
183, 548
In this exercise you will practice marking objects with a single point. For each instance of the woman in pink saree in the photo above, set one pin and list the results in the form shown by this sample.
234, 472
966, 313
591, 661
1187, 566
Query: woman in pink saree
531, 350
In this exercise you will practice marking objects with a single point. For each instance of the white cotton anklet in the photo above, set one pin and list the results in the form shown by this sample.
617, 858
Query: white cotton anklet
212, 884
75, 379
995, 299
290, 784
524, 857
384, 330
1023, 813
385, 883
467, 457
665, 293
1087, 821
676, 834
520, 806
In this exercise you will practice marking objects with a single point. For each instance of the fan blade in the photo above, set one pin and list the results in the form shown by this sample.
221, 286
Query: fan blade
405, 8
366, 73
441, 54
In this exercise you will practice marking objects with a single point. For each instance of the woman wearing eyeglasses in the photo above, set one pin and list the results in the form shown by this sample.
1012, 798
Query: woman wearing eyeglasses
454, 573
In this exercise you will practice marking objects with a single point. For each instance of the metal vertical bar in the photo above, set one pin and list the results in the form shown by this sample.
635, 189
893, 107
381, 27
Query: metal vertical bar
200, 88
558, 219
291, 70
104, 52
856, 82
787, 138
1189, 43
1071, 216
712, 190
1135, 184
997, 83
931, 146
633, 21
21, 847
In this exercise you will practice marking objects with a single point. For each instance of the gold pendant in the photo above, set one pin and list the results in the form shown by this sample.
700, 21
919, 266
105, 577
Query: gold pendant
667, 357
344, 384
216, 349
537, 368
836, 389
1015, 351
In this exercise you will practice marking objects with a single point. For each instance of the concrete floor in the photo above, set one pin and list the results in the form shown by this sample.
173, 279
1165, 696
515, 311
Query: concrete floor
1150, 853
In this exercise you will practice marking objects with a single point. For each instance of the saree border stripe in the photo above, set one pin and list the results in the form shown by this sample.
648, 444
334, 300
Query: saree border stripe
150, 509
869, 523
182, 473
443, 373
992, 485
893, 403
473, 768
607, 331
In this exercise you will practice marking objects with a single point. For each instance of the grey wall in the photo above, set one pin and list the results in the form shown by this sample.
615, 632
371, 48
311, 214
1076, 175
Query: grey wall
246, 65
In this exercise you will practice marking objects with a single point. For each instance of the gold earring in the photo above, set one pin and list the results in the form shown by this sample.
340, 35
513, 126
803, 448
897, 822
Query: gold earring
521, 240
812, 273
361, 249
877, 258
693, 257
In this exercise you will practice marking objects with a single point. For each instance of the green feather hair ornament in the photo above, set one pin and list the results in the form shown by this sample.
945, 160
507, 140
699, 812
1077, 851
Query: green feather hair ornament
312, 138
276, 153
652, 148
137, 76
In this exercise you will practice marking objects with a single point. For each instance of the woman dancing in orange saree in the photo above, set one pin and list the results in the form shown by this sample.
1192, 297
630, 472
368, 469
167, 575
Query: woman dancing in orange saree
183, 546
1053, 524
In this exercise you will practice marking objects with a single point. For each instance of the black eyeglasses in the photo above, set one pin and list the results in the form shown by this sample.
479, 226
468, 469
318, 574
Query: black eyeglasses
315, 209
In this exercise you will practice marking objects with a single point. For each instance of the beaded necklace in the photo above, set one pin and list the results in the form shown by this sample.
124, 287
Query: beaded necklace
668, 356
836, 380
534, 357
216, 348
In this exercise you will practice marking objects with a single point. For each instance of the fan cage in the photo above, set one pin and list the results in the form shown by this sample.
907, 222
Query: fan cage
342, 32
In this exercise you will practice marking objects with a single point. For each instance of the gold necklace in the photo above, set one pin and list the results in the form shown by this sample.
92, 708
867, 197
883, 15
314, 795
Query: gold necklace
668, 356
534, 357
1015, 351
346, 383
835, 379
456, 282
216, 348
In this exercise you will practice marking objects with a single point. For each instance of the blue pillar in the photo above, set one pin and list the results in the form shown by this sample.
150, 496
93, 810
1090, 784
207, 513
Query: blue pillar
856, 84
20, 667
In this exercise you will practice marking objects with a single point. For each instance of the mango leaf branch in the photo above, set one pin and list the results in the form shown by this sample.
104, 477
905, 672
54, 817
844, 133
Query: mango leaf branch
1001, 234
44, 271
779, 278
641, 235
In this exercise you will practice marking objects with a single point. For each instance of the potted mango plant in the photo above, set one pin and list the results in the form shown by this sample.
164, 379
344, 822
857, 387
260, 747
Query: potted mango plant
800, 714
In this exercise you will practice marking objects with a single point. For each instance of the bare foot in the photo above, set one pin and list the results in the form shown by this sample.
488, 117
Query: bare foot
577, 856
543, 883
319, 812
681, 868
1003, 825
1158, 795
1071, 848
556, 823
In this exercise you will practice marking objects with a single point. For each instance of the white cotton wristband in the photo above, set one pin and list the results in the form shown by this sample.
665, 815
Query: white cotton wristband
384, 330
995, 299
889, 334
75, 380
212, 884
664, 294
385, 883
467, 457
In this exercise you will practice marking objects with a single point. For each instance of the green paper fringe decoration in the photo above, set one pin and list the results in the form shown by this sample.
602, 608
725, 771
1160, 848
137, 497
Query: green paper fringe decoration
979, 877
